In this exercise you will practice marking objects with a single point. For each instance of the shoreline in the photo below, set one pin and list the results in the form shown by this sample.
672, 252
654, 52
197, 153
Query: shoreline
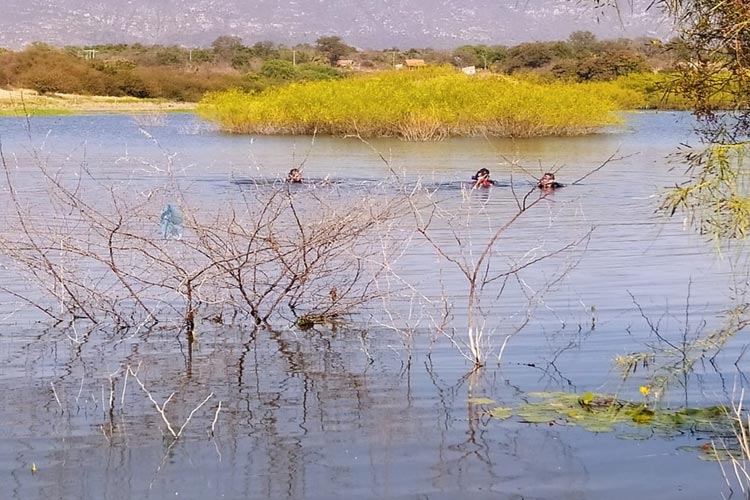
20, 102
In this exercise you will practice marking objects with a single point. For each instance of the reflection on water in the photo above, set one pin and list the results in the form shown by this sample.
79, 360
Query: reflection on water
302, 416
306, 414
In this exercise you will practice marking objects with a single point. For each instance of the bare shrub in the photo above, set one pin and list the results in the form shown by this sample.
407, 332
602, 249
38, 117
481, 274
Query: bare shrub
491, 264
135, 255
492, 259
95, 251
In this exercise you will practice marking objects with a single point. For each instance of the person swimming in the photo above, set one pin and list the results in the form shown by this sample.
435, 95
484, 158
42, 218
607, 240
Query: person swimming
294, 176
482, 179
548, 182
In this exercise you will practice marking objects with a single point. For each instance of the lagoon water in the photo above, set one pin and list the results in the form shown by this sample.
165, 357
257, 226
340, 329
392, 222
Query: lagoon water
306, 414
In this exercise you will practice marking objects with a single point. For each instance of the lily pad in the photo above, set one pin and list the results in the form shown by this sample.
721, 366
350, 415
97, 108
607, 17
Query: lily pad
481, 401
537, 414
544, 395
501, 413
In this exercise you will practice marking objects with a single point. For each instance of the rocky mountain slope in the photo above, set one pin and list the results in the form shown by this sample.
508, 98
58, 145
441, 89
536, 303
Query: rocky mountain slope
363, 23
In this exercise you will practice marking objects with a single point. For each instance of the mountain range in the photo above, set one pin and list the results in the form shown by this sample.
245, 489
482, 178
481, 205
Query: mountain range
362, 23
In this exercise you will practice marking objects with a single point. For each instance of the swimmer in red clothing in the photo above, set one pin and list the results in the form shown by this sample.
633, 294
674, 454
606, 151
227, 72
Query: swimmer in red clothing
482, 179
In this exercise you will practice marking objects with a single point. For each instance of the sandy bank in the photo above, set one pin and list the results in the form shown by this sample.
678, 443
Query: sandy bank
18, 101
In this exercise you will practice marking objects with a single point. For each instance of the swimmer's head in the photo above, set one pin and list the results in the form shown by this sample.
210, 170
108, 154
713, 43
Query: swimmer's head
294, 175
481, 174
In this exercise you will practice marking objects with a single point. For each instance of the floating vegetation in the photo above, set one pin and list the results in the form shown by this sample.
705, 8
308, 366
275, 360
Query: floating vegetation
498, 413
481, 401
605, 413
501, 413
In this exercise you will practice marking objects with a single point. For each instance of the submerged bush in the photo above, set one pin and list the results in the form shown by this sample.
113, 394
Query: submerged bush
420, 105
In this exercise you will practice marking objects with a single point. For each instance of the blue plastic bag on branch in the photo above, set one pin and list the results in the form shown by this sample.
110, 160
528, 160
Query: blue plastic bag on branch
171, 222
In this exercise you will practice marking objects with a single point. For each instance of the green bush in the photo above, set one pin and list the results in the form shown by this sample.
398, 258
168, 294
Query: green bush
278, 69
314, 71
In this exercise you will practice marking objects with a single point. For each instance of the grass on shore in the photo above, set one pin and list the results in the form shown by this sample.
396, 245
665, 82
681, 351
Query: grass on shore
29, 102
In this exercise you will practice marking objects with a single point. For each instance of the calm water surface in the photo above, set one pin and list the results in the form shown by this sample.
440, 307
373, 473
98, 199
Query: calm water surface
305, 414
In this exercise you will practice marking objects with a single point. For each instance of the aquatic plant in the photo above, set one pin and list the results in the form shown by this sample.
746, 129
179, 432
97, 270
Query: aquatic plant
425, 105
676, 344
721, 427
670, 359
739, 455
604, 413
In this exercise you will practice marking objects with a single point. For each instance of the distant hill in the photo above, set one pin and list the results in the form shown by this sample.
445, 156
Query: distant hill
363, 23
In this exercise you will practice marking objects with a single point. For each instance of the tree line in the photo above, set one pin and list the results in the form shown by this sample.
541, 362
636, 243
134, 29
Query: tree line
186, 74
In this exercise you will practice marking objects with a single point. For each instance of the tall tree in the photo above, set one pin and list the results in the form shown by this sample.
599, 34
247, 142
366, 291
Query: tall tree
225, 47
716, 37
583, 43
333, 48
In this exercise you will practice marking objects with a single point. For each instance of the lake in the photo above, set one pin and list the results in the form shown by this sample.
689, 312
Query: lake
384, 405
